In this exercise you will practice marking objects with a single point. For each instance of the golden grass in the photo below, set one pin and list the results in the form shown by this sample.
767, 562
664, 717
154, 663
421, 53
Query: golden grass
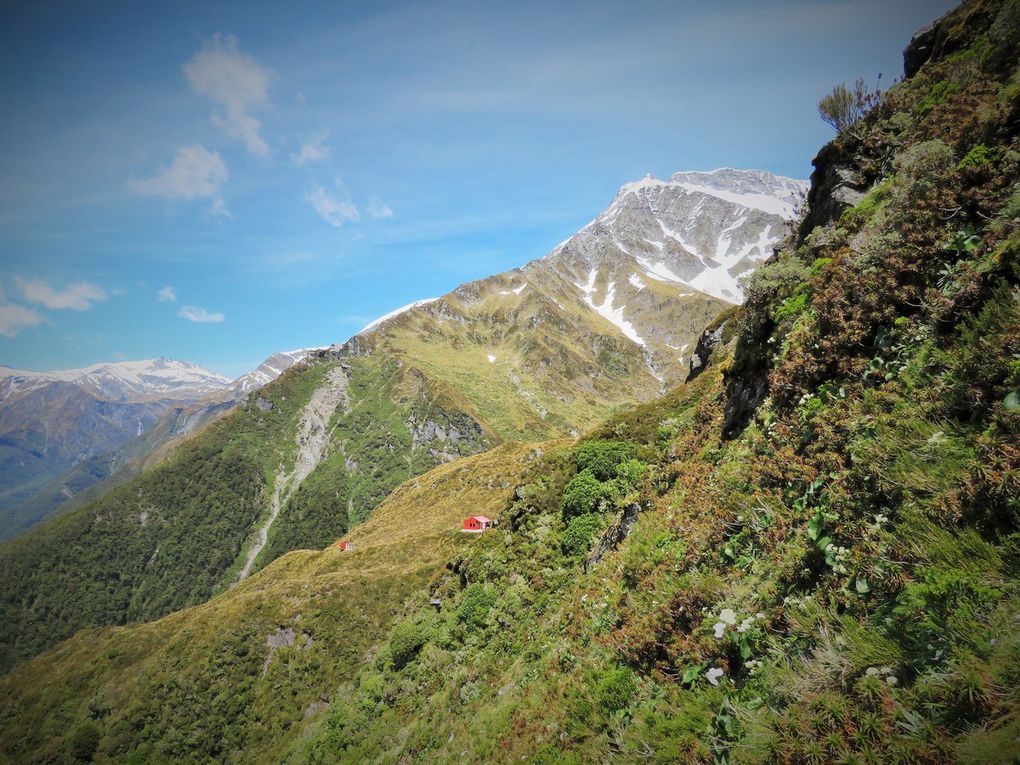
345, 600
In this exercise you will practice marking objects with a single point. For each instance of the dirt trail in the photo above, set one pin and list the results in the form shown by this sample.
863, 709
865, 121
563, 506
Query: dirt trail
312, 441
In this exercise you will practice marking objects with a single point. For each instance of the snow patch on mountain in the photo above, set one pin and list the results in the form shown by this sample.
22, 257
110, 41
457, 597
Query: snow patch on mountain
270, 369
701, 229
403, 309
606, 308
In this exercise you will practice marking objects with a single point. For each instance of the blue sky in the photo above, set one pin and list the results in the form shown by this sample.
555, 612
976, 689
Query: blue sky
216, 181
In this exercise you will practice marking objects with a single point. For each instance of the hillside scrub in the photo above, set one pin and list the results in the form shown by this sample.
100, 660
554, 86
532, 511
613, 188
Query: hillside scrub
833, 581
240, 677
823, 565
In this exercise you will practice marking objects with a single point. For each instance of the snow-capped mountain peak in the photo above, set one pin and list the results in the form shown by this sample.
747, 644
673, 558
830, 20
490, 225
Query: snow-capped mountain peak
699, 229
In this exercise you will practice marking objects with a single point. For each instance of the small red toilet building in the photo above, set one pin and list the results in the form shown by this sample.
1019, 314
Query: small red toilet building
477, 523
346, 546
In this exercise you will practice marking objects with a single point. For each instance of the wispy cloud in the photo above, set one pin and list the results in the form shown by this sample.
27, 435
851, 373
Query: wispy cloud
75, 297
237, 83
167, 295
14, 318
378, 209
194, 172
200, 315
334, 208
315, 150
219, 209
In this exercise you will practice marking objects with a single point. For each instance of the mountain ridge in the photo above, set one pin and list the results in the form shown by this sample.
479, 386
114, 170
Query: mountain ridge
527, 355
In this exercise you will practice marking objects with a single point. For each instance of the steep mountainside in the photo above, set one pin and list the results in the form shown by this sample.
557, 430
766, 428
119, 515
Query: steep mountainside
610, 316
304, 621
810, 553
536, 353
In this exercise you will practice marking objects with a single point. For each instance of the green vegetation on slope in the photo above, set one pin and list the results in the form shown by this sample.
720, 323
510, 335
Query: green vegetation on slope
397, 425
836, 583
161, 542
238, 678
824, 538
179, 533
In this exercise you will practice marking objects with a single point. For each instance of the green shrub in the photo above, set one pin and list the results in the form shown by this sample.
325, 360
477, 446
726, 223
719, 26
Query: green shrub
84, 741
586, 494
979, 156
406, 640
794, 305
939, 92
615, 690
602, 457
630, 473
924, 167
474, 608
844, 107
774, 278
579, 533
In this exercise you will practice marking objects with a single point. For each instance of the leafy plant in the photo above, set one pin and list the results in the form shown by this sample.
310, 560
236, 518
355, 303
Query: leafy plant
843, 107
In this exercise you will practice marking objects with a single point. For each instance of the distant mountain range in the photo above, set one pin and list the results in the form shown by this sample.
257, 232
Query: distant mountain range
64, 431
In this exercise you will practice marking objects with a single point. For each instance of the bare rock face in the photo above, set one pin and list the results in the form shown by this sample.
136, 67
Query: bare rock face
836, 184
707, 343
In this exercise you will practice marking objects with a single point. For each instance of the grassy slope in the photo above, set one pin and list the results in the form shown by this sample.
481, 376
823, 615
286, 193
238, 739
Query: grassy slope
191, 686
373, 450
839, 583
558, 366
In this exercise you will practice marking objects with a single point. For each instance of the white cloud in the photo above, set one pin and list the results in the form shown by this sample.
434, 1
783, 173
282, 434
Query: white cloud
76, 297
218, 209
14, 318
200, 315
237, 83
195, 172
335, 209
378, 209
167, 295
315, 150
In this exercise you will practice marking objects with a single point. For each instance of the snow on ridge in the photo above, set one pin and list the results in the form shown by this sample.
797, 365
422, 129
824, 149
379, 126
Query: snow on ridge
397, 312
755, 189
266, 372
159, 375
764, 202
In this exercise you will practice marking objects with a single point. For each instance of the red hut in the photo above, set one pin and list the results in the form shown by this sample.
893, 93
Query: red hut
477, 523
346, 546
